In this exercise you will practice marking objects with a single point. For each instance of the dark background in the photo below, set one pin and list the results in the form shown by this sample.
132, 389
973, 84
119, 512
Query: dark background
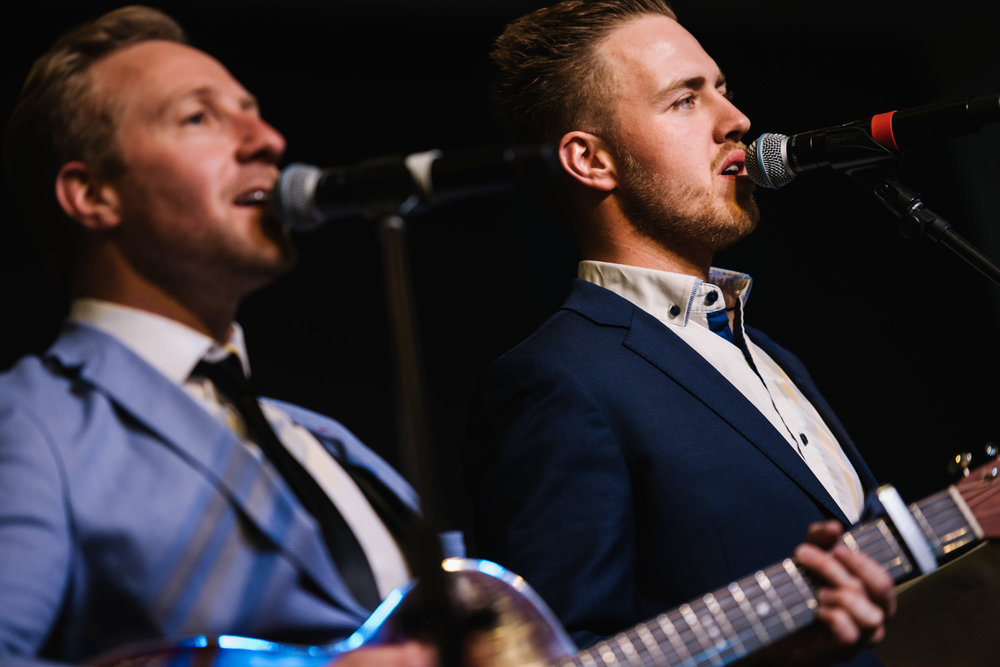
900, 332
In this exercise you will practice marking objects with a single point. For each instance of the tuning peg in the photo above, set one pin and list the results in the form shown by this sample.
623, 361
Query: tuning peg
960, 463
991, 450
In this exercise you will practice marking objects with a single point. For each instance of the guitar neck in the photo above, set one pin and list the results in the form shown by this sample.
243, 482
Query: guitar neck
760, 609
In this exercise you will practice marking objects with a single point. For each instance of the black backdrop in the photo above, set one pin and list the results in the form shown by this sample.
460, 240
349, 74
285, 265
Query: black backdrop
900, 332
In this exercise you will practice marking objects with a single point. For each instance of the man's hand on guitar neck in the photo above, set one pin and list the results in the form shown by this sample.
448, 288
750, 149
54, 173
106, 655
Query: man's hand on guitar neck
409, 654
856, 597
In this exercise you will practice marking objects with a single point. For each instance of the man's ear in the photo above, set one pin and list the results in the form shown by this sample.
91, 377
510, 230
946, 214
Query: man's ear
585, 158
84, 198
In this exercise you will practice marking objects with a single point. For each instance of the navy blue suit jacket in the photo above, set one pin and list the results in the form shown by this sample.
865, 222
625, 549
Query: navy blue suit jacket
621, 475
127, 512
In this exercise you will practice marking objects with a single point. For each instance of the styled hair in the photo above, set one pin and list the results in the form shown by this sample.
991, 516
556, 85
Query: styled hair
58, 119
550, 79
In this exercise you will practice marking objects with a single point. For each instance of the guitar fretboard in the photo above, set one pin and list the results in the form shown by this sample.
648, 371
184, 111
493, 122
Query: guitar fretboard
760, 609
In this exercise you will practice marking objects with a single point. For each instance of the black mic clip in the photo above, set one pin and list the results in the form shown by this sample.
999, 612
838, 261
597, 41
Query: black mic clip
773, 160
843, 148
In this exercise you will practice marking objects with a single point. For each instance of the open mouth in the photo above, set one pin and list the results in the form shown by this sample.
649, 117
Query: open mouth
733, 169
256, 197
734, 162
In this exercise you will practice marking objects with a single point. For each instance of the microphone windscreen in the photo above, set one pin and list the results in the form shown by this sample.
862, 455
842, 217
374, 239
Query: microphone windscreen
294, 196
767, 164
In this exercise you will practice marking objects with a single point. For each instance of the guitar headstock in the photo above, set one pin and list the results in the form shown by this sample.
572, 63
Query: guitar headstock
980, 489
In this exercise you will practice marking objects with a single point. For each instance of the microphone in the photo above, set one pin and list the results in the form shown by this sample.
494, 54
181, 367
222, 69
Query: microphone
306, 197
773, 160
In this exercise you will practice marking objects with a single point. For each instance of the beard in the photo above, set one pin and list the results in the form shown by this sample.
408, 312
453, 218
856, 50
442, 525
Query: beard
684, 217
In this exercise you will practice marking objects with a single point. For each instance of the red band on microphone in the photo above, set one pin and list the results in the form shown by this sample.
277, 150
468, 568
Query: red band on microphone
882, 130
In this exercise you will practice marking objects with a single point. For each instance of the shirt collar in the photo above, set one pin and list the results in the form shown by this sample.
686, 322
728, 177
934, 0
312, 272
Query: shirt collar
167, 345
673, 298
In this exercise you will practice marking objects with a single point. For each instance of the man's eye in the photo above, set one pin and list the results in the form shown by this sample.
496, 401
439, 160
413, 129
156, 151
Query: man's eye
196, 118
685, 102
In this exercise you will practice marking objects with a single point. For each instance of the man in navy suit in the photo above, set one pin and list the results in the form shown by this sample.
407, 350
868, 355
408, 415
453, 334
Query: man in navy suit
136, 501
645, 446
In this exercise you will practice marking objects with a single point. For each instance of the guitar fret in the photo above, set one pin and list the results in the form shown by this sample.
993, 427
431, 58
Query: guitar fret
765, 611
699, 631
740, 597
947, 522
872, 537
652, 646
927, 530
867, 540
722, 619
688, 633
949, 531
665, 627
963, 506
892, 556
625, 647
606, 653
882, 547
851, 541
765, 583
806, 592
667, 642
877, 541
798, 607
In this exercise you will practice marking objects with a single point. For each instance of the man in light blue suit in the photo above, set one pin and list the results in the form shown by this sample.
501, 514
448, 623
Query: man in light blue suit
136, 501
643, 447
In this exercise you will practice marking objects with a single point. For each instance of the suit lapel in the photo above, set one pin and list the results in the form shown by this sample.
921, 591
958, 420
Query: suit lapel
213, 451
653, 341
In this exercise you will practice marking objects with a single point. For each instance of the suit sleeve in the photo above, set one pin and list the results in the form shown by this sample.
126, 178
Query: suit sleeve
545, 471
34, 536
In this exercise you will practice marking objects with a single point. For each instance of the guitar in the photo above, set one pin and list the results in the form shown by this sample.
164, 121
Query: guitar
716, 629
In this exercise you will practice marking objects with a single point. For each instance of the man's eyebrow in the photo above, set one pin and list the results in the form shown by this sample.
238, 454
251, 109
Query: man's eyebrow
249, 101
246, 100
691, 83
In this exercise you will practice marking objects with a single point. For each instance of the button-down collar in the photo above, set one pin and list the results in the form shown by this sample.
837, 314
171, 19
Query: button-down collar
672, 298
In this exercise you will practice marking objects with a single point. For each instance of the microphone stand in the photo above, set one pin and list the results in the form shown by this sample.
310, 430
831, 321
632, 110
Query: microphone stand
916, 220
414, 449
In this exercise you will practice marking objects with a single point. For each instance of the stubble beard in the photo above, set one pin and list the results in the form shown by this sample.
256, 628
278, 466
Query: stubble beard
681, 217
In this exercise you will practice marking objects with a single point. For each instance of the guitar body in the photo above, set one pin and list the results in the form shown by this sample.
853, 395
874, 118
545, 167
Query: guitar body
504, 623
949, 617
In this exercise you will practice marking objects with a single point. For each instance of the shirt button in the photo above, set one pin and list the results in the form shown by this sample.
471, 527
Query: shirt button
805, 440
711, 298
675, 311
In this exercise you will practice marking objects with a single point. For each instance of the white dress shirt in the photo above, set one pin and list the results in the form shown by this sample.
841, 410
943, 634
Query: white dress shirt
679, 301
175, 349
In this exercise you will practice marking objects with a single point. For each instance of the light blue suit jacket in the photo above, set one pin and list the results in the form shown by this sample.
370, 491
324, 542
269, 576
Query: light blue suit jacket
127, 512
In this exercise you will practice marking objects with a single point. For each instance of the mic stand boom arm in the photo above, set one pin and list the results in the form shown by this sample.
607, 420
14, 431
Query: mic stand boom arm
916, 220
